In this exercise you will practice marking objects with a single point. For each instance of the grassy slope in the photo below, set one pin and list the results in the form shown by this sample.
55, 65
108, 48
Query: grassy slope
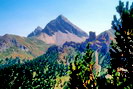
35, 48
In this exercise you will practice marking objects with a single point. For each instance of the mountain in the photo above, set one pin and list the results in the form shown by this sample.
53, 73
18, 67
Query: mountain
17, 46
36, 31
99, 44
56, 32
59, 31
96, 42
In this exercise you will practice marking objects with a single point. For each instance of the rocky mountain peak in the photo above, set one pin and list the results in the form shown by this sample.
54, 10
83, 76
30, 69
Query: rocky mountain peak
62, 18
62, 24
38, 28
59, 31
36, 32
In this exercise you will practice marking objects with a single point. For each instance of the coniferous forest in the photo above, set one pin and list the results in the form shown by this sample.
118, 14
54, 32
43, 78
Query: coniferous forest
80, 70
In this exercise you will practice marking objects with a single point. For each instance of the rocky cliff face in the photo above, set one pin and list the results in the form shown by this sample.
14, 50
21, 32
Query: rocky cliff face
92, 36
59, 31
99, 44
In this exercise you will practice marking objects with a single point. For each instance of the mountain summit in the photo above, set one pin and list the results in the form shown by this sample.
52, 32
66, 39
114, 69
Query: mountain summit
35, 32
59, 31
62, 24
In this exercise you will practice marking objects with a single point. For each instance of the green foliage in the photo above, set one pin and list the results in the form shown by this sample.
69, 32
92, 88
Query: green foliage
40, 73
122, 51
124, 37
81, 72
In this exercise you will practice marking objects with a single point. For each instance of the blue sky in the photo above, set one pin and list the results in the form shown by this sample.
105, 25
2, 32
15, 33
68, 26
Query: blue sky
21, 17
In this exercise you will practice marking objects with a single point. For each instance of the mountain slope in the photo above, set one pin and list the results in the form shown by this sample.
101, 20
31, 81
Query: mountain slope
36, 31
25, 48
98, 43
59, 31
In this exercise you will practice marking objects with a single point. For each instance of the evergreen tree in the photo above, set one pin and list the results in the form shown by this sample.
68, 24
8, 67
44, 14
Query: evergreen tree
81, 72
121, 51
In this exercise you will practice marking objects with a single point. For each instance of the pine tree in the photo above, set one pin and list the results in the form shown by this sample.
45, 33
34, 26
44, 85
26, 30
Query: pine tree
81, 74
121, 51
